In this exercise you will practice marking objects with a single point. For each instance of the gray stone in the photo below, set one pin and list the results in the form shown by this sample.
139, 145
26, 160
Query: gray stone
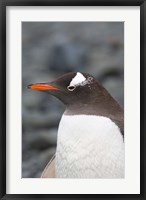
36, 164
44, 140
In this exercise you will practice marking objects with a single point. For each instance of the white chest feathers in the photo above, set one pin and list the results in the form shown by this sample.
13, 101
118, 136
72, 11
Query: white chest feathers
89, 147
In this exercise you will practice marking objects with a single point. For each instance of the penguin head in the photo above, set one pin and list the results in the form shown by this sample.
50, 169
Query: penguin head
74, 87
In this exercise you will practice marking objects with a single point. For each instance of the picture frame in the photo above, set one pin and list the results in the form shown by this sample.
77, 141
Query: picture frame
3, 94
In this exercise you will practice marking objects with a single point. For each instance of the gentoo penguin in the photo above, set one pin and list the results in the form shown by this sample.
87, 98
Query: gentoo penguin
90, 141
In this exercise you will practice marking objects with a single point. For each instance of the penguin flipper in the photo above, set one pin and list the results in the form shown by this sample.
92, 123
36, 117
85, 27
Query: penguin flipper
49, 171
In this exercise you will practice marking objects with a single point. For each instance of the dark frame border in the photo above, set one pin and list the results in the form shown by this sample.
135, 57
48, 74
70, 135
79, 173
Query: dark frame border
3, 6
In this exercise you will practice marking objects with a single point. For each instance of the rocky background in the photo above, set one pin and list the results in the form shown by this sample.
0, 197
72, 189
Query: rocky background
50, 49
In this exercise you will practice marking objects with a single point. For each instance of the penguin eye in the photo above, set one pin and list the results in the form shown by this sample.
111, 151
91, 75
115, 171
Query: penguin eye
71, 88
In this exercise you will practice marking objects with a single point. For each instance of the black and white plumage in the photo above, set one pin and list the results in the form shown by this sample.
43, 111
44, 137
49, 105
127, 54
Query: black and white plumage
90, 141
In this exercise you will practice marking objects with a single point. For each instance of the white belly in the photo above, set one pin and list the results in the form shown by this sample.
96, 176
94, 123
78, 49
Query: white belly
89, 148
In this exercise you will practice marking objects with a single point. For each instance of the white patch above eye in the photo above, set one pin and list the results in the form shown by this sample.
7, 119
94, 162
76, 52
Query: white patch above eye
78, 79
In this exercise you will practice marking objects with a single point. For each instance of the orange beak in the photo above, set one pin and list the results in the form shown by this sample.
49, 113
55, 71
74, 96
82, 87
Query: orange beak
42, 87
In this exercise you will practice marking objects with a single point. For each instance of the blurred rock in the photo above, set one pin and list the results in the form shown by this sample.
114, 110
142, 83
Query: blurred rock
35, 165
67, 57
40, 120
44, 140
115, 43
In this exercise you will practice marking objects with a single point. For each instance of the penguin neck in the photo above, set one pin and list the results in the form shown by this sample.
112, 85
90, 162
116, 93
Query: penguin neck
101, 108
110, 109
